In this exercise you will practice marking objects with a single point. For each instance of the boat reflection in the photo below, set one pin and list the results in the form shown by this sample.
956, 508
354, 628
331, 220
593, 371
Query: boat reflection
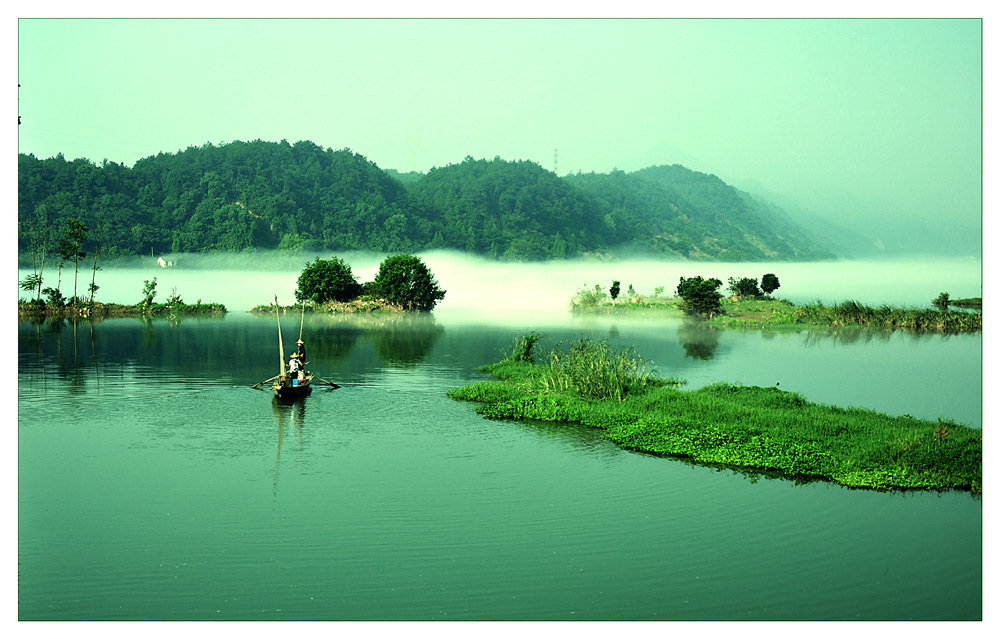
289, 417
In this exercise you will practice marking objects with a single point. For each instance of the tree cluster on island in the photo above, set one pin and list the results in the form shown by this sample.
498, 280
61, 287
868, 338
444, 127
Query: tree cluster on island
402, 280
246, 196
751, 304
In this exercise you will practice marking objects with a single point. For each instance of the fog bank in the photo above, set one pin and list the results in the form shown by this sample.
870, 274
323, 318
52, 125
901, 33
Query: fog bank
532, 293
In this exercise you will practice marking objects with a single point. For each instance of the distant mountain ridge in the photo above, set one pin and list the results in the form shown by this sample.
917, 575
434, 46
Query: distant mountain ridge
274, 195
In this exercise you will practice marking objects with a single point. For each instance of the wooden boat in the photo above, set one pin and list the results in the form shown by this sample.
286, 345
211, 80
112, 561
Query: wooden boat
290, 387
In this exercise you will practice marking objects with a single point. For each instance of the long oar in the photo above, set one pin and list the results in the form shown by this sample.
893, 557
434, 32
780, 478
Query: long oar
327, 382
265, 381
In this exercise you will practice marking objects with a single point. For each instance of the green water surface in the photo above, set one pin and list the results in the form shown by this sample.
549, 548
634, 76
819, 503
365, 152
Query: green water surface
155, 484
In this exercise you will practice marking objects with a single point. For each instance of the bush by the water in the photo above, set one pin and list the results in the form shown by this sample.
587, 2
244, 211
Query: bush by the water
327, 281
405, 280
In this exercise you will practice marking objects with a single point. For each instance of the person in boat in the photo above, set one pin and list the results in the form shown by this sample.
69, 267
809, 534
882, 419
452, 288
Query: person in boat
301, 353
294, 367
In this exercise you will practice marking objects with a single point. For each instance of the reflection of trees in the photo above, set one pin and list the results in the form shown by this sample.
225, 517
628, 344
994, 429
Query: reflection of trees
700, 340
68, 365
405, 340
840, 334
331, 344
848, 335
400, 339
219, 349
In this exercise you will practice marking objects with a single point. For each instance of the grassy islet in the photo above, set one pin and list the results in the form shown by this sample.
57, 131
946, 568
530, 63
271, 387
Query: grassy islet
757, 429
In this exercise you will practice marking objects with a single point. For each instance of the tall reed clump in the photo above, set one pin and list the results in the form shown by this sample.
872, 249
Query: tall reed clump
595, 371
523, 345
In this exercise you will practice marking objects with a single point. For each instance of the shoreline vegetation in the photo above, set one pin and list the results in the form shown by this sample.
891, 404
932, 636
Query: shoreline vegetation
356, 306
55, 305
36, 309
752, 430
766, 312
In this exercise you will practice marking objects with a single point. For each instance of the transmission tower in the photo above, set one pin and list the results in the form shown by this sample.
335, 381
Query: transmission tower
555, 162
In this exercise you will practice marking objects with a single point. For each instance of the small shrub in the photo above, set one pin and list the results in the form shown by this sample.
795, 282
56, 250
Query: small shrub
942, 301
587, 297
54, 297
148, 291
744, 287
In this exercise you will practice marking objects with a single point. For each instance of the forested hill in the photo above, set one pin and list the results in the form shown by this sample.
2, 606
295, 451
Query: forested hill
301, 197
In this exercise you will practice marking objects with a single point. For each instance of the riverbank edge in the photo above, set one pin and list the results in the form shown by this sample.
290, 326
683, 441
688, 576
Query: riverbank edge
353, 307
101, 310
752, 430
773, 313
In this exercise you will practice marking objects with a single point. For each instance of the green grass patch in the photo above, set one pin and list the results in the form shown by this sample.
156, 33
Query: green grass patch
756, 429
760, 313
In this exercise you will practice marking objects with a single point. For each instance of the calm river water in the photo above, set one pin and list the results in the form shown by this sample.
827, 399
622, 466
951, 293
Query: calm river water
155, 484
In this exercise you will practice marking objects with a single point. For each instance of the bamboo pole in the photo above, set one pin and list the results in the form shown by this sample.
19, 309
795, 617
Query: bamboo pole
281, 345
303, 320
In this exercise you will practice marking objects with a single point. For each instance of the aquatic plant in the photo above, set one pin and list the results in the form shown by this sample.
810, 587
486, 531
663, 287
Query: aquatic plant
760, 313
762, 429
596, 371
523, 345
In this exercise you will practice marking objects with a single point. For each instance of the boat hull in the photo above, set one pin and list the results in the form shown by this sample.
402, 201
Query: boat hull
284, 389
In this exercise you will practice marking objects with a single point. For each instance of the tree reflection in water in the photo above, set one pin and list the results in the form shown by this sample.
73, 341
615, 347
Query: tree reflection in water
699, 340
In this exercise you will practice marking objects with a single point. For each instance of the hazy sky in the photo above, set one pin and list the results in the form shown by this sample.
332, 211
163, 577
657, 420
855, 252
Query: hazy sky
886, 113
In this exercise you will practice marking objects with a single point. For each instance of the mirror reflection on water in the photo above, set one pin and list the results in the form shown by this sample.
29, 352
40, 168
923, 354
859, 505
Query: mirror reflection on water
154, 483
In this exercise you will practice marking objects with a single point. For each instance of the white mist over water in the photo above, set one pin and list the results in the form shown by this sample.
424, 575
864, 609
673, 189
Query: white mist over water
535, 293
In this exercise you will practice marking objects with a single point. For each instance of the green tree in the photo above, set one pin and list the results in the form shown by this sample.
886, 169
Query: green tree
744, 287
31, 283
55, 297
700, 296
99, 235
404, 279
769, 283
615, 289
942, 301
327, 280
70, 247
148, 291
